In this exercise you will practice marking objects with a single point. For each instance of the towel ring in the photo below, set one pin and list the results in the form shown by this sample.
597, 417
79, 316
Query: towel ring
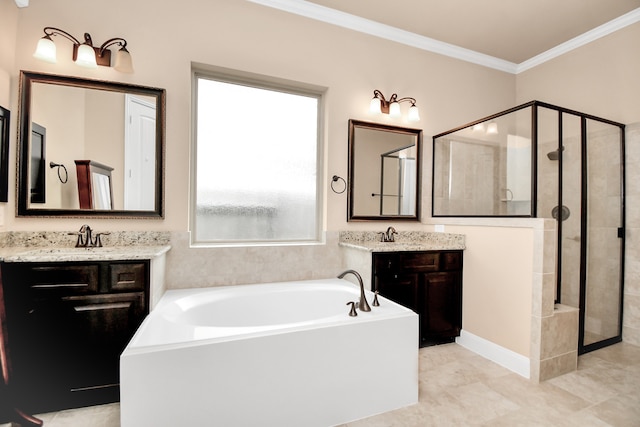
334, 180
60, 165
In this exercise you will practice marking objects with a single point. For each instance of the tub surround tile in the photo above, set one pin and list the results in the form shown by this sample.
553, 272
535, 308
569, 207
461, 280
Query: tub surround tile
200, 266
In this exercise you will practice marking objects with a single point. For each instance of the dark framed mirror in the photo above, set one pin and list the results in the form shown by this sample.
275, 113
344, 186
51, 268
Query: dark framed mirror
99, 122
384, 172
4, 154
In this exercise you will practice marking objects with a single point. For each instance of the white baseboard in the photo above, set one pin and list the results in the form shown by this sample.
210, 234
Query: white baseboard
502, 356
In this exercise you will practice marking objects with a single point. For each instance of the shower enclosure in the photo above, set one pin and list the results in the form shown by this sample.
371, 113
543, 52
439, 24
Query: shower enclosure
541, 160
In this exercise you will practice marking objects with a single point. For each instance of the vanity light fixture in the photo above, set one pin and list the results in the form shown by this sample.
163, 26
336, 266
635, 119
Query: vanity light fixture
85, 54
391, 107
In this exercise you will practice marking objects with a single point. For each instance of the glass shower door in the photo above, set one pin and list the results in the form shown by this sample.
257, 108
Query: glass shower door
603, 226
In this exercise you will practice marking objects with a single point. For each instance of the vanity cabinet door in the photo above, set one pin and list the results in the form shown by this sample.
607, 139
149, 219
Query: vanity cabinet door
65, 342
428, 282
442, 298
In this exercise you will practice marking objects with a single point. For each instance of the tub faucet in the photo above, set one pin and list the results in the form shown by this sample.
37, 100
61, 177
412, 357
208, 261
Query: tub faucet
363, 305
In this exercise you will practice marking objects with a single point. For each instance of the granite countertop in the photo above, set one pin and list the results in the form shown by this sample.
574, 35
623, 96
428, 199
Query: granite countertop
404, 241
63, 254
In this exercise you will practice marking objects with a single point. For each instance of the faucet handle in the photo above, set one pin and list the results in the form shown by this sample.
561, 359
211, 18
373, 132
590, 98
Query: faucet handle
375, 302
98, 242
353, 311
79, 241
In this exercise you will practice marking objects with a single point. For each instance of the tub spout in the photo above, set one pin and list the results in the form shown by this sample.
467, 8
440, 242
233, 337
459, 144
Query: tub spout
363, 305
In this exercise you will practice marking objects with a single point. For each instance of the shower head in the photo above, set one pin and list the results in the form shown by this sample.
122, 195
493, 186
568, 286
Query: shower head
554, 155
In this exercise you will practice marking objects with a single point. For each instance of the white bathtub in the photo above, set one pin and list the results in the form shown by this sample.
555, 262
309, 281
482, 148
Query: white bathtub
279, 354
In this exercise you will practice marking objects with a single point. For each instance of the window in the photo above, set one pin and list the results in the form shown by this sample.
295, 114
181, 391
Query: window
256, 161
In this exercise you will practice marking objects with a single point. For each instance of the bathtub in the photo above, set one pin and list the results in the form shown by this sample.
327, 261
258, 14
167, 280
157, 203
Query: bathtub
278, 354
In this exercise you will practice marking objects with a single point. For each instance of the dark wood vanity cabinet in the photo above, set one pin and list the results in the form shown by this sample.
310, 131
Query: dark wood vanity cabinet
429, 283
67, 325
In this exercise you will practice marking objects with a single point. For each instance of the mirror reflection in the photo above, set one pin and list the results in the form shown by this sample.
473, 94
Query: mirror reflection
484, 169
67, 123
384, 172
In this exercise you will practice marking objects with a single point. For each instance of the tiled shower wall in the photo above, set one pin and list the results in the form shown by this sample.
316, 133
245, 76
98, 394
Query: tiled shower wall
631, 321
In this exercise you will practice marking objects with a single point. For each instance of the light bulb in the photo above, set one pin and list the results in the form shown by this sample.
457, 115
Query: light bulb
394, 110
86, 56
46, 50
414, 114
123, 62
374, 105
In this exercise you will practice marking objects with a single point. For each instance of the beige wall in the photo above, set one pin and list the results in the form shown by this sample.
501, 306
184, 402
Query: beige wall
600, 78
250, 37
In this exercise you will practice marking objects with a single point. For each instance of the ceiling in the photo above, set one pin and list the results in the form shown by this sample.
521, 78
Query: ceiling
508, 31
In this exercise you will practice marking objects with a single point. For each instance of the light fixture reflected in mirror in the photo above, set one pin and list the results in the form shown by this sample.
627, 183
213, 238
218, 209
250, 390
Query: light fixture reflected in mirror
85, 54
380, 105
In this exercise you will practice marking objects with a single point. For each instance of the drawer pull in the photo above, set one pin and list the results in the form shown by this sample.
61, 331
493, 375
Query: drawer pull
125, 282
59, 285
105, 306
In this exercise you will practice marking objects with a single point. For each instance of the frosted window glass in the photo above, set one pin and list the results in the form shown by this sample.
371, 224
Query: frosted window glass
256, 167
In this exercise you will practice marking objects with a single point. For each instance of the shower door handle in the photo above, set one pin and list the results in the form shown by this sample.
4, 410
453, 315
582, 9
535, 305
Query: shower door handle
620, 232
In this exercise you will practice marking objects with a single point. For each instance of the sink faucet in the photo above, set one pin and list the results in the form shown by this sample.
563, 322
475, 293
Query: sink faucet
363, 305
87, 241
388, 235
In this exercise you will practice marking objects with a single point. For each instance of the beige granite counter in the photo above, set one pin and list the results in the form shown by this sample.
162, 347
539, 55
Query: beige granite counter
54, 246
404, 241
66, 254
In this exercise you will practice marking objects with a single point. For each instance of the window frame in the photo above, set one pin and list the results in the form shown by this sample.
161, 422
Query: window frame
226, 75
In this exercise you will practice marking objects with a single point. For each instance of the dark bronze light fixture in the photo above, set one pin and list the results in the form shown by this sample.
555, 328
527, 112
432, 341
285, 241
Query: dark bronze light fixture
392, 107
85, 54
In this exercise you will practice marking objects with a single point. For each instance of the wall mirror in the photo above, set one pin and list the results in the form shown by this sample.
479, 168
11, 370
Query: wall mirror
384, 172
65, 122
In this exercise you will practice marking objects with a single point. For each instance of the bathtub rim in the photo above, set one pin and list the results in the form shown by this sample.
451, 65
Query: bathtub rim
387, 310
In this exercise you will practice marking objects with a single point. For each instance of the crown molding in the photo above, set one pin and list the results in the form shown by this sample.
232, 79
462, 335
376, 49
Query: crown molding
367, 26
581, 40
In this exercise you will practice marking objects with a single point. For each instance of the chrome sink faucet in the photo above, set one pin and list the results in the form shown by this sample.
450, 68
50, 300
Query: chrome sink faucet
363, 305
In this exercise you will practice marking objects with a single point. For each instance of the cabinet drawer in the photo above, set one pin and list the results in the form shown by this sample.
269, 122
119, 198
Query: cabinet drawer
67, 279
421, 262
127, 277
386, 263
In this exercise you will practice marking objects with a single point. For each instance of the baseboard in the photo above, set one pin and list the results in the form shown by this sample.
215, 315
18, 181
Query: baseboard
504, 357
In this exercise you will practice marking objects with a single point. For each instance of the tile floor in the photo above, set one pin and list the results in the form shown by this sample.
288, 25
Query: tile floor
460, 388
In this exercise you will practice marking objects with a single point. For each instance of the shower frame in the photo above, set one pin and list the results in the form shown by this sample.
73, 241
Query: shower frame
535, 105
